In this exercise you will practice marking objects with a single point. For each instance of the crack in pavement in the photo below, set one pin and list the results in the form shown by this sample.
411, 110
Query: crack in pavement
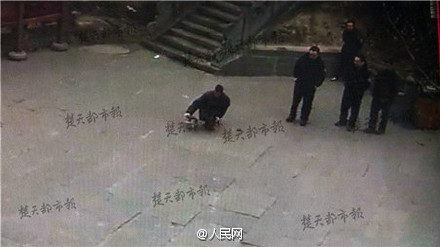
268, 208
119, 227
126, 222
260, 156
242, 213
189, 221
323, 239
366, 170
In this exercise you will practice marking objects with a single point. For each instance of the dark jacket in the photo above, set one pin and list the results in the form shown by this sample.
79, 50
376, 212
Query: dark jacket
309, 73
353, 42
210, 106
356, 79
386, 84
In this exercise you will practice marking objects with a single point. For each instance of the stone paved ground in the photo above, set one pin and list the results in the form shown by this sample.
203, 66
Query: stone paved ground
264, 184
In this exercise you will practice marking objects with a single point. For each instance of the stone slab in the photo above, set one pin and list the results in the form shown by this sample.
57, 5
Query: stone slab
245, 201
189, 236
178, 212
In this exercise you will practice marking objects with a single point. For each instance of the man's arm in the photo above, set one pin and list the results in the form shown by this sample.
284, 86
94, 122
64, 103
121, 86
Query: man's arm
395, 84
224, 107
360, 40
196, 104
322, 73
297, 71
344, 36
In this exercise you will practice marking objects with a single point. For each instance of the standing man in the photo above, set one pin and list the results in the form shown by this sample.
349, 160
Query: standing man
353, 42
309, 73
212, 106
356, 82
385, 89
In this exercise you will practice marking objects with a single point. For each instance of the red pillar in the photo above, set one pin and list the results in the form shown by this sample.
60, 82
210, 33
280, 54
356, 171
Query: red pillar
18, 53
438, 33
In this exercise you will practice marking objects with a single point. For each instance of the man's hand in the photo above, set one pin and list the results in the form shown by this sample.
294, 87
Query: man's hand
218, 121
187, 116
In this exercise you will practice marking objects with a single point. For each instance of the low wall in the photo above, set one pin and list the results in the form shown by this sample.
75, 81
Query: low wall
276, 62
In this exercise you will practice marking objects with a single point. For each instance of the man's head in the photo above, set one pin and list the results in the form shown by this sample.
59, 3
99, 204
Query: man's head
313, 52
349, 25
359, 61
218, 90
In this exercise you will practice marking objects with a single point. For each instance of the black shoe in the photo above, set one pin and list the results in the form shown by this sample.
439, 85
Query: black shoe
303, 122
209, 126
350, 127
290, 119
340, 124
380, 132
370, 130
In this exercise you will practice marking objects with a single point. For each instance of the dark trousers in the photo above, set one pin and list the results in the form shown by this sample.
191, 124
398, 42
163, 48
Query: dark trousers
307, 97
383, 105
208, 117
346, 59
351, 99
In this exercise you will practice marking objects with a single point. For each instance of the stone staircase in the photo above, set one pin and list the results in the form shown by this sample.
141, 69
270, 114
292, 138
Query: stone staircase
200, 35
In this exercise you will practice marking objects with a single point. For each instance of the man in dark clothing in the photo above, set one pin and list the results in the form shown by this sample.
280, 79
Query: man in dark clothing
356, 82
353, 42
212, 106
309, 72
385, 89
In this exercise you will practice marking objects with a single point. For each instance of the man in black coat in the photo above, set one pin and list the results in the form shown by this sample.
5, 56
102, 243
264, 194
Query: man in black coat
353, 42
385, 89
212, 106
309, 72
356, 82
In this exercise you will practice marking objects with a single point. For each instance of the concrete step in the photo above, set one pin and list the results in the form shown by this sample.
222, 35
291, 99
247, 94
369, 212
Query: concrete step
186, 46
202, 30
179, 55
218, 14
209, 22
198, 39
226, 6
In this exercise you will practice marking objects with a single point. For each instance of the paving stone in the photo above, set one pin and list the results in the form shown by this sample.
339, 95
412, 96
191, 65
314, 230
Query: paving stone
136, 190
228, 219
215, 183
8, 243
178, 212
65, 228
268, 231
144, 230
245, 201
189, 236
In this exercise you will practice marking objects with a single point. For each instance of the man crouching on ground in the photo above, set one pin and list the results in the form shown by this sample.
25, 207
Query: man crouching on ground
212, 106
